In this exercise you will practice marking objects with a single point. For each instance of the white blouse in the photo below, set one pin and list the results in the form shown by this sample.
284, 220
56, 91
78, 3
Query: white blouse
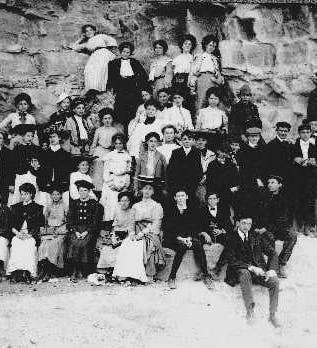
125, 68
182, 63
211, 118
158, 66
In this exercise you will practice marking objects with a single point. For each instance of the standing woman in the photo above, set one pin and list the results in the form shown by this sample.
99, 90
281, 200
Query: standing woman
116, 175
148, 221
206, 71
161, 70
98, 45
127, 78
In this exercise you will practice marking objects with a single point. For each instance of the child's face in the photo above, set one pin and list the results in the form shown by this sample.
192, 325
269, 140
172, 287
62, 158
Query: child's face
313, 126
118, 145
245, 97
273, 185
35, 164
25, 196
152, 144
213, 200
235, 147
181, 197
305, 134
107, 120
187, 141
201, 143
124, 203
151, 111
56, 196
178, 100
28, 137
210, 48
213, 100
54, 139
83, 167
187, 46
65, 104
23, 106
163, 98
169, 135
83, 193
79, 110
145, 96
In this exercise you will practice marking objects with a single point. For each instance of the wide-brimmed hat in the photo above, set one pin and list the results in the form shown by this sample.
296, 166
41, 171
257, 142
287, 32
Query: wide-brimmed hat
21, 129
253, 131
245, 89
83, 157
148, 180
200, 134
62, 97
278, 178
111, 42
84, 184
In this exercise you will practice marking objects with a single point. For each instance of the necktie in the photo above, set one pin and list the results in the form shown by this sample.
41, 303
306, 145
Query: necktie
22, 117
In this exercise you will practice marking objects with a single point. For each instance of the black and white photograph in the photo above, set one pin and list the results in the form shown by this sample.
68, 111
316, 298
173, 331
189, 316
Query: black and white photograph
158, 174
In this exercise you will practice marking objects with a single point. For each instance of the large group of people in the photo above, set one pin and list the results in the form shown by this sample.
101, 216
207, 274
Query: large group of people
170, 165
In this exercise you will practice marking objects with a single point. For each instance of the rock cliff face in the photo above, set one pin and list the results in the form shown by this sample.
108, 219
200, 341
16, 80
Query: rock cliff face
271, 47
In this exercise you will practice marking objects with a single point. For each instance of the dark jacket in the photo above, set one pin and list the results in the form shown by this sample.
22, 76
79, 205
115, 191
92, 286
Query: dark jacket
242, 114
5, 222
7, 170
183, 225
184, 171
312, 106
22, 155
32, 213
220, 221
238, 255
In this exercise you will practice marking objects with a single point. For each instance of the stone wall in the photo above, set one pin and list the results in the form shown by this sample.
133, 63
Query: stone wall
272, 47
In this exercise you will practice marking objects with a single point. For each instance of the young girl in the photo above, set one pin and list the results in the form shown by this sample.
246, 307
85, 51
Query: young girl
116, 175
84, 220
212, 119
140, 116
83, 165
51, 250
78, 128
129, 261
161, 71
206, 71
26, 220
101, 145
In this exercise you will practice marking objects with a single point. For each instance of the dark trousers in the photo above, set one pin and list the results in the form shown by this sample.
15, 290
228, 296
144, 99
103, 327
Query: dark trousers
246, 279
221, 239
289, 239
180, 249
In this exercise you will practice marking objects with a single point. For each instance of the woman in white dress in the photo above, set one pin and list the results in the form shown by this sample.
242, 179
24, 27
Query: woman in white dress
116, 175
129, 260
98, 46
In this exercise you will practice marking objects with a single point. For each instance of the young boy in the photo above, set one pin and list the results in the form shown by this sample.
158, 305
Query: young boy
184, 168
182, 233
177, 115
304, 159
169, 143
246, 265
274, 221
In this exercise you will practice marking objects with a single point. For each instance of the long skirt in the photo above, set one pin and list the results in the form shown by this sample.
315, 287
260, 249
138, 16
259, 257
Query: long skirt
4, 250
97, 167
129, 262
23, 256
96, 70
109, 200
204, 82
52, 248
79, 250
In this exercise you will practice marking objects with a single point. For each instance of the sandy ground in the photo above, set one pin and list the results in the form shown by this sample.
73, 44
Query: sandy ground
81, 315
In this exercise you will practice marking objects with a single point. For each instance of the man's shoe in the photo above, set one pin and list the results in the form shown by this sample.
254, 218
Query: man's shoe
208, 281
172, 284
274, 321
282, 272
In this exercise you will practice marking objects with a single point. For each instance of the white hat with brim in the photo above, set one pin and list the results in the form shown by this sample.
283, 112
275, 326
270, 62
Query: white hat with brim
62, 97
253, 131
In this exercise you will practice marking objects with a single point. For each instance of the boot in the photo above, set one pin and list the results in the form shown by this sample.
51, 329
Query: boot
274, 321
172, 284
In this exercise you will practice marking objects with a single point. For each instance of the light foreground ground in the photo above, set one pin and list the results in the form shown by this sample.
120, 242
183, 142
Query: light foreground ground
67, 315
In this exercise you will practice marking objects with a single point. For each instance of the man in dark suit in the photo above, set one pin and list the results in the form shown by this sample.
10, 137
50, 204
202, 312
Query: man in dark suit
216, 226
184, 168
246, 265
278, 156
182, 229
274, 221
304, 159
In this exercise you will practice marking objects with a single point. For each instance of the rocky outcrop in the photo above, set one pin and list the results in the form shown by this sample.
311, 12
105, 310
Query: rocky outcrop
271, 47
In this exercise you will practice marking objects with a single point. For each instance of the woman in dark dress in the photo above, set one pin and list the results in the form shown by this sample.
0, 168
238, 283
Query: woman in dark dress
6, 170
84, 218
126, 77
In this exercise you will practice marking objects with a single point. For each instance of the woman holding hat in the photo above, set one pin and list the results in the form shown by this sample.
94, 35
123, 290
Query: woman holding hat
148, 220
116, 175
85, 216
98, 46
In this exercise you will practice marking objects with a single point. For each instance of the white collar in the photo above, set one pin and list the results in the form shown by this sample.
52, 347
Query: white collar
281, 140
242, 235
305, 143
27, 203
55, 148
252, 145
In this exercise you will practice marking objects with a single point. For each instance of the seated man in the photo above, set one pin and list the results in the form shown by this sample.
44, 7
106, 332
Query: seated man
246, 265
182, 228
274, 221
217, 225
